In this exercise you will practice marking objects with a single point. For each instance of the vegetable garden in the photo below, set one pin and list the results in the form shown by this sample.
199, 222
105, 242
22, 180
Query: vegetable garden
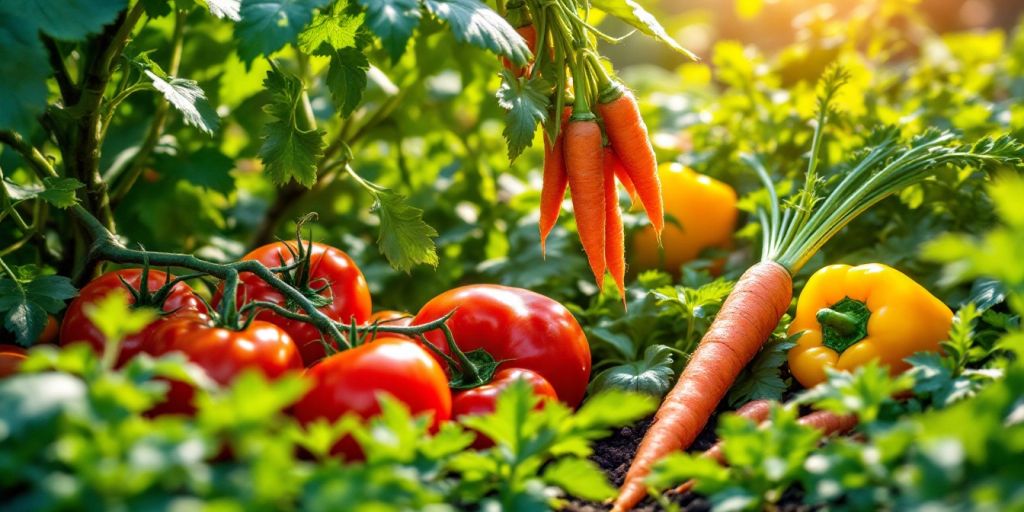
471, 255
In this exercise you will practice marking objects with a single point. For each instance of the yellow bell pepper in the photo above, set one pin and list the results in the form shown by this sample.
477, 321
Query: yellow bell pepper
851, 315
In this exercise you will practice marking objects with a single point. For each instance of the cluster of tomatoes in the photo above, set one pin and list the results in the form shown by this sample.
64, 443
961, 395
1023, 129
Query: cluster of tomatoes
530, 336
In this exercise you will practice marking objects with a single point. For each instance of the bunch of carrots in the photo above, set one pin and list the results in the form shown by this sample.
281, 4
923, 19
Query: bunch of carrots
589, 145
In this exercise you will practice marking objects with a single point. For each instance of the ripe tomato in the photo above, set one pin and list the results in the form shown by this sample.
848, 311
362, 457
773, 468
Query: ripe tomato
351, 381
50, 331
484, 399
223, 353
11, 357
704, 206
78, 328
344, 287
521, 328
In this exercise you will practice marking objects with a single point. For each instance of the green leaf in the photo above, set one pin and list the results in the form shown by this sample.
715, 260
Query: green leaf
26, 304
157, 8
60, 192
268, 25
68, 20
288, 152
652, 375
405, 239
393, 21
116, 319
473, 22
679, 467
229, 9
581, 478
23, 74
614, 408
527, 103
632, 13
346, 79
762, 378
207, 168
189, 99
336, 29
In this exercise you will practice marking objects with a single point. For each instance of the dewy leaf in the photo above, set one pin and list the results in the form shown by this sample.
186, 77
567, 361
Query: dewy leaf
23, 74
267, 25
393, 21
632, 13
474, 22
67, 20
189, 99
288, 152
60, 192
225, 8
405, 240
527, 103
25, 305
346, 79
579, 477
336, 29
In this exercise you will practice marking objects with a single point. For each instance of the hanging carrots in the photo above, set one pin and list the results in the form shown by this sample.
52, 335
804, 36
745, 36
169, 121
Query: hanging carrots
614, 238
555, 182
529, 34
584, 163
612, 160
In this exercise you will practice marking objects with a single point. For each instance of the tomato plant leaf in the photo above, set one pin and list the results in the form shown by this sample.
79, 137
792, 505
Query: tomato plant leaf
186, 96
579, 477
473, 22
346, 79
70, 20
288, 152
229, 9
762, 378
336, 29
526, 102
26, 304
632, 13
267, 25
23, 74
393, 21
60, 192
405, 240
651, 375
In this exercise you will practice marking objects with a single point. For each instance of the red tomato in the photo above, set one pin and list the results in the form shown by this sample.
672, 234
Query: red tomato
331, 269
484, 399
391, 318
521, 328
222, 353
350, 382
49, 334
78, 328
11, 357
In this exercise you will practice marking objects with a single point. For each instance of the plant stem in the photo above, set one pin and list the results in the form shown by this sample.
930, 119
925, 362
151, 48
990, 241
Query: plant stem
68, 91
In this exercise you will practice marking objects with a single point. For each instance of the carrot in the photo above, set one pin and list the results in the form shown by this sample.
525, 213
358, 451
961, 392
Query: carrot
612, 160
614, 238
628, 136
555, 182
529, 34
584, 163
746, 319
828, 423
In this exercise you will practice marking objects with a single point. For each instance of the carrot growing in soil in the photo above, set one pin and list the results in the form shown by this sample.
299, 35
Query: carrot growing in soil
628, 136
763, 294
584, 163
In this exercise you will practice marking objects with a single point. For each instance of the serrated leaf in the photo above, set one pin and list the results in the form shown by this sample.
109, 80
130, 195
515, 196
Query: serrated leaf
346, 79
336, 29
68, 20
526, 103
225, 8
405, 239
189, 99
60, 192
268, 25
632, 13
579, 477
23, 74
393, 21
25, 305
288, 152
652, 375
473, 22
762, 378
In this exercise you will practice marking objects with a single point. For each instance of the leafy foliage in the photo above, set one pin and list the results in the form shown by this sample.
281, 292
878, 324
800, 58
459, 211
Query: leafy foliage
289, 151
26, 300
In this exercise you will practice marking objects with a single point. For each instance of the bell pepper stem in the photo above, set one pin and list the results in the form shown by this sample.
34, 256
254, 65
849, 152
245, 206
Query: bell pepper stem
843, 323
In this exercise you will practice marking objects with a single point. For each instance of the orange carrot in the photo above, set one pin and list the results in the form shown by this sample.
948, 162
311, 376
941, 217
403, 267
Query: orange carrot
614, 238
828, 423
612, 160
529, 34
555, 182
628, 136
746, 319
584, 162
